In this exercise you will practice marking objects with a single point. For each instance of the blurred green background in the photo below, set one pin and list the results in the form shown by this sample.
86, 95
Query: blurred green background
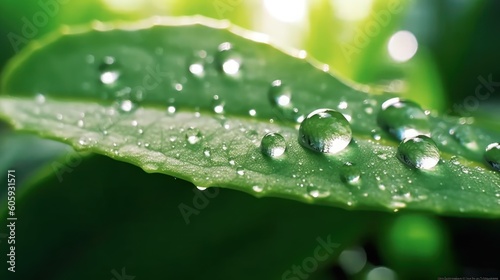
434, 52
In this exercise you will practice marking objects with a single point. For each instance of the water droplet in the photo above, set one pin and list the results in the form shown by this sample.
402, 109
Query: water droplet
273, 145
218, 105
39, 98
231, 162
420, 152
193, 135
207, 152
80, 123
325, 131
171, 110
197, 69
228, 59
126, 106
257, 188
252, 112
466, 136
317, 192
492, 155
240, 171
201, 188
109, 71
350, 173
403, 119
280, 96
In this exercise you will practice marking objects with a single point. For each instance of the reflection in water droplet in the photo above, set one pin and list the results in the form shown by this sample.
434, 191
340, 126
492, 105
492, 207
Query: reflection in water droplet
228, 59
193, 135
350, 173
492, 155
325, 131
403, 119
109, 71
420, 152
273, 145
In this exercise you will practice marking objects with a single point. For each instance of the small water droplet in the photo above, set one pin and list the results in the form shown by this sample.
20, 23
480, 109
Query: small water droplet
492, 155
273, 144
201, 188
207, 152
252, 112
240, 171
420, 152
126, 106
350, 173
109, 71
39, 98
171, 110
218, 105
228, 59
280, 96
325, 131
80, 123
257, 188
193, 135
197, 69
317, 192
231, 162
403, 119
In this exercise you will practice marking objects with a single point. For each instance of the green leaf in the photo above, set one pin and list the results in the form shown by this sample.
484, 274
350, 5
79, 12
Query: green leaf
55, 88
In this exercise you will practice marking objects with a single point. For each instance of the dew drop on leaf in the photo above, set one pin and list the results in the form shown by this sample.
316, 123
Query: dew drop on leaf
197, 69
317, 192
126, 106
207, 152
228, 59
492, 155
201, 188
240, 171
193, 135
273, 145
280, 96
419, 152
350, 173
257, 188
217, 105
109, 72
325, 131
403, 119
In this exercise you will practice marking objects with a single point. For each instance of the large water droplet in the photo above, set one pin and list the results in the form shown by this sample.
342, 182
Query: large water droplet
228, 59
273, 145
419, 152
109, 71
325, 131
193, 135
403, 119
492, 155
